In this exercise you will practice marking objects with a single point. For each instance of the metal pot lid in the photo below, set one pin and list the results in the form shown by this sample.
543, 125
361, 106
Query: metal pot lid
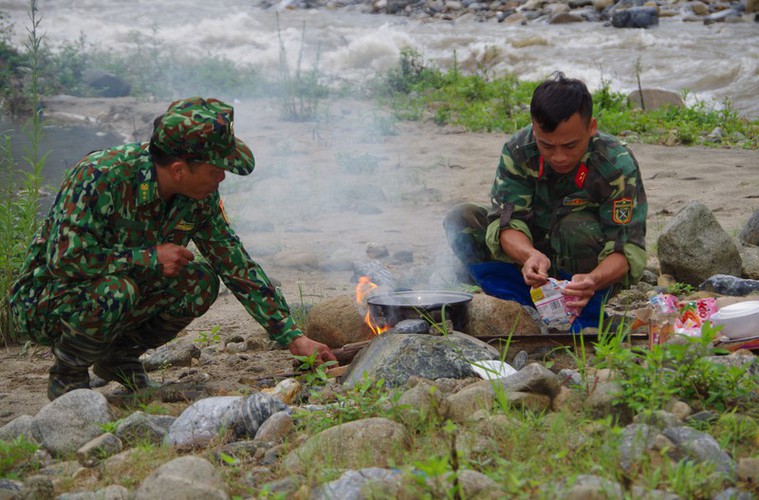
421, 298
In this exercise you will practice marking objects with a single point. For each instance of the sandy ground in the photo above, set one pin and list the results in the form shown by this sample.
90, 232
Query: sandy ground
325, 191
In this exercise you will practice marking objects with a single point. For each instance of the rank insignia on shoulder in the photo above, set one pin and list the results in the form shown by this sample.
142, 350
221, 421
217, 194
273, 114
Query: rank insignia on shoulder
574, 202
621, 210
144, 193
183, 225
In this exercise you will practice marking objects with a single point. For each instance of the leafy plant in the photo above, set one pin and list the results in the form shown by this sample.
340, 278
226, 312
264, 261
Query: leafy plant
16, 456
301, 93
315, 372
651, 377
19, 200
207, 338
680, 289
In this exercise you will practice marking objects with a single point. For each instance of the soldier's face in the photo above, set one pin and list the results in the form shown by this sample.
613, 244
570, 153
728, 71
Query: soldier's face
202, 180
563, 148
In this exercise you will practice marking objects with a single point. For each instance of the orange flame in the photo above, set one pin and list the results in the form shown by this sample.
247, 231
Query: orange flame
363, 289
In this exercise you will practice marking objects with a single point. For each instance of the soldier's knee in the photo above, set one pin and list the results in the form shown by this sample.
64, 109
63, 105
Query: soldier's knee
120, 293
464, 216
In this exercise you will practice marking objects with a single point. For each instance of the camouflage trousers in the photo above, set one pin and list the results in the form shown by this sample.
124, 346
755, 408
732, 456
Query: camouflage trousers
573, 244
82, 320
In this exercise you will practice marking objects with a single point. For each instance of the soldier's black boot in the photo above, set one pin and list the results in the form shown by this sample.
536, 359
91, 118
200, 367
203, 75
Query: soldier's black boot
122, 364
66, 378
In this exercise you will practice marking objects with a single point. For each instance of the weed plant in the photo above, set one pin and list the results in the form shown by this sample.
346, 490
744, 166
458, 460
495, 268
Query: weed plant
17, 457
19, 197
300, 93
651, 378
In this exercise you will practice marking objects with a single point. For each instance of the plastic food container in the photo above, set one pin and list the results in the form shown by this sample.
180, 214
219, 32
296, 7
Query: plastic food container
739, 321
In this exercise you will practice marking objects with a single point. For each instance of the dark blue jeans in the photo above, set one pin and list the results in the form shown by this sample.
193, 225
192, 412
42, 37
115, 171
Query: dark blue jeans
505, 281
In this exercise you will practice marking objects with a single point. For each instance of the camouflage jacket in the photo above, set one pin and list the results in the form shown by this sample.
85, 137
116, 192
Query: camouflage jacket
108, 218
530, 197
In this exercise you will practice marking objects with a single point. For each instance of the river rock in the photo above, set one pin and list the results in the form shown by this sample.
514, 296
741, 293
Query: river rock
205, 419
188, 477
635, 17
750, 261
141, 427
106, 84
724, 284
700, 447
489, 316
180, 353
395, 357
336, 322
587, 486
654, 99
19, 426
275, 428
750, 232
72, 420
354, 484
693, 246
534, 378
348, 443
103, 446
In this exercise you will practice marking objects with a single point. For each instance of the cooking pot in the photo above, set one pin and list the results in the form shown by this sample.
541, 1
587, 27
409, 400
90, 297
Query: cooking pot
389, 309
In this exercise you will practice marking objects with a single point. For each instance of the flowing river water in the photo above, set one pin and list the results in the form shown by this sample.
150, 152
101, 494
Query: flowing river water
713, 62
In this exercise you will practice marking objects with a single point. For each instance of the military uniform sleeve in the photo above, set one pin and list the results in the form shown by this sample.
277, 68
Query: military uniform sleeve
511, 200
79, 218
623, 215
245, 279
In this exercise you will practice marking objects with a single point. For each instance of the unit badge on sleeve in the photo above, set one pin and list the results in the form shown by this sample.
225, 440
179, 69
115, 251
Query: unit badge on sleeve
621, 210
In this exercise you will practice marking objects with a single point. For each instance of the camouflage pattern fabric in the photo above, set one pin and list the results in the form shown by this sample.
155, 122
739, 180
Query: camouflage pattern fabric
576, 219
92, 273
200, 129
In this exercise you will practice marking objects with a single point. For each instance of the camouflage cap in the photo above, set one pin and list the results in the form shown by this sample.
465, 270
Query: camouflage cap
200, 129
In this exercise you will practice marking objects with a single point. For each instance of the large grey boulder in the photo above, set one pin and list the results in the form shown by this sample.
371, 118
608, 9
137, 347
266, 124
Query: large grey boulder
71, 421
361, 443
186, 478
651, 99
489, 316
693, 246
207, 418
395, 357
750, 232
106, 84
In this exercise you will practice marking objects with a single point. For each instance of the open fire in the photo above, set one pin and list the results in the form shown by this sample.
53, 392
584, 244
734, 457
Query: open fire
364, 289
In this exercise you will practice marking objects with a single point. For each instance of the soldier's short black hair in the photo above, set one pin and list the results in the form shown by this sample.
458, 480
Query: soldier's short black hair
558, 98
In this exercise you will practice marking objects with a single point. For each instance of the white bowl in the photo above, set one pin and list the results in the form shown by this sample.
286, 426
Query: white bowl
739, 320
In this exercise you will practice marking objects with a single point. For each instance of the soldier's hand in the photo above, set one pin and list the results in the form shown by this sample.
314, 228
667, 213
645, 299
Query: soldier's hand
535, 269
304, 346
579, 291
173, 258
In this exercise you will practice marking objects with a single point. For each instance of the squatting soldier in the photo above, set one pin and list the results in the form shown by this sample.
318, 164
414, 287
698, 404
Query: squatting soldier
567, 202
109, 274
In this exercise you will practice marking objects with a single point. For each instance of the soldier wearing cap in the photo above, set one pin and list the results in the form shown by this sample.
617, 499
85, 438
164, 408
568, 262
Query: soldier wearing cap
109, 275
567, 202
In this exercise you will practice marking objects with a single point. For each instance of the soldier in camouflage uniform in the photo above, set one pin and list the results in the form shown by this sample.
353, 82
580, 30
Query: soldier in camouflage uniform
567, 201
109, 274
